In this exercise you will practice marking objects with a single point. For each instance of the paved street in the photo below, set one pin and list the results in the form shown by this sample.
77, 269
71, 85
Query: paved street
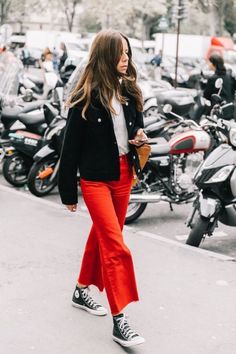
187, 295
159, 220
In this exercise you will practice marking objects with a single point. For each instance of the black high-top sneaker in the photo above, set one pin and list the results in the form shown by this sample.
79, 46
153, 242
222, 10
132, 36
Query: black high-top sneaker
123, 334
83, 300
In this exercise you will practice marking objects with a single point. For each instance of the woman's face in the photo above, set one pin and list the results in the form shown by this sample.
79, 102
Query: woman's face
211, 66
122, 66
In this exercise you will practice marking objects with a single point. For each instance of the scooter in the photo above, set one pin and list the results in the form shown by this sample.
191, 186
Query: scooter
43, 174
216, 181
26, 143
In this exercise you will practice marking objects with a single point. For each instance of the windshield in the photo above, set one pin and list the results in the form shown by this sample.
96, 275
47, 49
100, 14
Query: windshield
10, 71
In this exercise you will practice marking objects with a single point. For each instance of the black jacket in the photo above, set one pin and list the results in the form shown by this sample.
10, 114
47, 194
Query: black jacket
227, 92
90, 145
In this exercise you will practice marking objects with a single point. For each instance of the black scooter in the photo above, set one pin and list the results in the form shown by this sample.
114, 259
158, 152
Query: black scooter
26, 143
216, 181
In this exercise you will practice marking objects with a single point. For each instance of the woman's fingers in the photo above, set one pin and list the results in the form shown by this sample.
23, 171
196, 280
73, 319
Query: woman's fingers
136, 142
139, 139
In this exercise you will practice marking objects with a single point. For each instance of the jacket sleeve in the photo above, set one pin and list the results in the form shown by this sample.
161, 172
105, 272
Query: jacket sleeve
70, 155
210, 88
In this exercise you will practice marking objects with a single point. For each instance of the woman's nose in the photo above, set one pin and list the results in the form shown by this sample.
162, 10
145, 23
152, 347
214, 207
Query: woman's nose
125, 57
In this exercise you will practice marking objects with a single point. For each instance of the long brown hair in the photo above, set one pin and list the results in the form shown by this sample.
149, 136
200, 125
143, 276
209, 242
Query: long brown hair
101, 74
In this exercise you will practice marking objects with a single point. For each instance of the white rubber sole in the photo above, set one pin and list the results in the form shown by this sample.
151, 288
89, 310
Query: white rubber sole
130, 343
102, 312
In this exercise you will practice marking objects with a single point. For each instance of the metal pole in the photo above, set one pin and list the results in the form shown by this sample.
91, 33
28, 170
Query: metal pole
163, 43
177, 46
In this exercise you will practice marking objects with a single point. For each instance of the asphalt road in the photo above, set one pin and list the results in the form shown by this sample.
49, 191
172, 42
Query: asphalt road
187, 296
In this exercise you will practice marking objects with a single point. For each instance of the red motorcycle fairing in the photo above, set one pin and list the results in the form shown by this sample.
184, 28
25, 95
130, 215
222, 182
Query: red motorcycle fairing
190, 141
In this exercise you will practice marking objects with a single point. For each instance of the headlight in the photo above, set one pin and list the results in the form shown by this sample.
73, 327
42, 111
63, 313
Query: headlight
221, 175
232, 136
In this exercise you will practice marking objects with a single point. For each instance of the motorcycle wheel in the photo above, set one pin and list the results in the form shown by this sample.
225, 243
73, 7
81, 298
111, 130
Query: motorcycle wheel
198, 231
42, 186
15, 170
134, 211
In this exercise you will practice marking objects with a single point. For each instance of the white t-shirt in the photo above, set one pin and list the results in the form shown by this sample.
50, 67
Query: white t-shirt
120, 128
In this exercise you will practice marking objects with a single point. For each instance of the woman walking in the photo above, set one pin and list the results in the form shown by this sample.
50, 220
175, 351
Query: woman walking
216, 63
104, 125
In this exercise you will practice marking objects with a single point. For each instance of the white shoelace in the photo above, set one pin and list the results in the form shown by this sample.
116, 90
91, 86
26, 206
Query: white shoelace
88, 299
125, 328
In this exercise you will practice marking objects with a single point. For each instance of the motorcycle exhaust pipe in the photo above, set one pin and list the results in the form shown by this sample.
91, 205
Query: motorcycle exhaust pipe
148, 198
152, 198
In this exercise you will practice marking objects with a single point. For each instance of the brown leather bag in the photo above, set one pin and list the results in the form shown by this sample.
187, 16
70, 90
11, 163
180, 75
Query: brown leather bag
143, 155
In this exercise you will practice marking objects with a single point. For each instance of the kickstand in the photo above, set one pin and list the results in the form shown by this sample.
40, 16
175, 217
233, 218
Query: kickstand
171, 208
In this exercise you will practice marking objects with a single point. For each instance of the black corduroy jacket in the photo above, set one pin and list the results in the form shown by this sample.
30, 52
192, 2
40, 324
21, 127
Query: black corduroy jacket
90, 145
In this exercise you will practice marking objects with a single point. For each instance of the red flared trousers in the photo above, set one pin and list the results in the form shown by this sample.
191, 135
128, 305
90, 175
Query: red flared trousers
107, 261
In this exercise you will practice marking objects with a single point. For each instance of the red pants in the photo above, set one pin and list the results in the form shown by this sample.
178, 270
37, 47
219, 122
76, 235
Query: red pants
107, 261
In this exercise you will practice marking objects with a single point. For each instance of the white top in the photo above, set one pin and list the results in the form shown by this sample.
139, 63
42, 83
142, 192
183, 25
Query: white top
120, 128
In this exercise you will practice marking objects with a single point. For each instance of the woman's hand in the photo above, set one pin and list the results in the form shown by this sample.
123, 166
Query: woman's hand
139, 139
72, 207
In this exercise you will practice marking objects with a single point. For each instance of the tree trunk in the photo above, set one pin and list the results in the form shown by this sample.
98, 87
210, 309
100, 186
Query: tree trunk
217, 18
2, 15
143, 34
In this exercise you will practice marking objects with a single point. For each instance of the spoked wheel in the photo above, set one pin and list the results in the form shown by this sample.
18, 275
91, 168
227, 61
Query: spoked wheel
42, 179
134, 211
15, 170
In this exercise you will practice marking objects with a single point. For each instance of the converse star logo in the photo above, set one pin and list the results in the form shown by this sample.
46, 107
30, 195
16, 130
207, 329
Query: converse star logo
77, 294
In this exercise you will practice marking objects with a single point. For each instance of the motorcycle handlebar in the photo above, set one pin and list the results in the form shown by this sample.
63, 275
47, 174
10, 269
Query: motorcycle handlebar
226, 105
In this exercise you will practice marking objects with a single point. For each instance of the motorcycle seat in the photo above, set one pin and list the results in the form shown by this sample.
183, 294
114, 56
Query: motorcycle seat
13, 112
160, 149
181, 102
35, 79
156, 127
31, 106
32, 119
172, 93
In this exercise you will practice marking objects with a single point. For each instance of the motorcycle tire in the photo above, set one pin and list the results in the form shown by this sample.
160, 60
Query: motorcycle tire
134, 211
41, 187
198, 231
15, 170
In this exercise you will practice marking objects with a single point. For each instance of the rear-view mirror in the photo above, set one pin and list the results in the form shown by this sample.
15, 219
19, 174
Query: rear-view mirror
167, 108
218, 83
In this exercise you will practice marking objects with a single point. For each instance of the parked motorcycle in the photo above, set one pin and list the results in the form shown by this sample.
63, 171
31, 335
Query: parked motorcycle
15, 112
216, 181
25, 143
43, 174
42, 177
42, 87
167, 176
